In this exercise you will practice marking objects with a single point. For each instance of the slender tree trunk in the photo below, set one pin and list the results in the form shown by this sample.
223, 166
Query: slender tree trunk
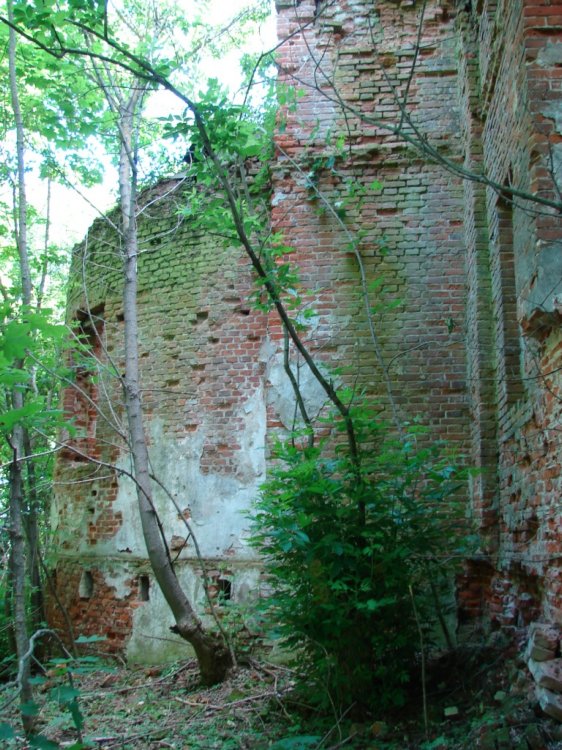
31, 525
9, 605
21, 231
17, 539
212, 652
17, 550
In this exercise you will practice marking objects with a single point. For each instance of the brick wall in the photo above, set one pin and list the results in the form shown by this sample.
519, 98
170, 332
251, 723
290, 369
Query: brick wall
352, 66
381, 115
510, 73
204, 358
485, 93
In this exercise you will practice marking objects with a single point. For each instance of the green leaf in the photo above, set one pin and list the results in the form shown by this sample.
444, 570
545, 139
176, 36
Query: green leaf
15, 340
372, 605
76, 714
375, 284
15, 416
6, 731
29, 709
14, 377
41, 742
90, 639
393, 304
64, 693
252, 147
37, 680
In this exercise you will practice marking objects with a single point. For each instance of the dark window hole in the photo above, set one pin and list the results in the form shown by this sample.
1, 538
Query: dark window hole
224, 589
86, 587
144, 588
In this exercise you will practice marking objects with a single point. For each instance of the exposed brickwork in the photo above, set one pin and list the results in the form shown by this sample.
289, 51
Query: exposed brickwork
102, 614
512, 52
462, 277
352, 66
203, 373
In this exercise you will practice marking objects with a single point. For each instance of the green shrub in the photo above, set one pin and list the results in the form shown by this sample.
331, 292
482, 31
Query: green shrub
350, 548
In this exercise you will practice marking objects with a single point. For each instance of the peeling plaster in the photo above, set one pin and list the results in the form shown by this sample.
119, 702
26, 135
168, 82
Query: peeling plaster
218, 503
280, 394
548, 282
118, 577
550, 55
553, 110
152, 642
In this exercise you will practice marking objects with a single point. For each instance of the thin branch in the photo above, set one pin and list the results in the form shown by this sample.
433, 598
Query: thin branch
299, 401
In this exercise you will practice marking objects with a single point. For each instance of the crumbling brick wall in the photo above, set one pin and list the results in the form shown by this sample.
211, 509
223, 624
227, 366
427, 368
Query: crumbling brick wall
404, 128
510, 82
204, 359
357, 80
459, 247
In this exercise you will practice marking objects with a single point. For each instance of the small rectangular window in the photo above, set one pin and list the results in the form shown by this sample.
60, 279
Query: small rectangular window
86, 587
144, 588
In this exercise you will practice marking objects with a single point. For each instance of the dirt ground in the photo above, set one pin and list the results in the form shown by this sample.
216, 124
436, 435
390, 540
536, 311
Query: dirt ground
475, 701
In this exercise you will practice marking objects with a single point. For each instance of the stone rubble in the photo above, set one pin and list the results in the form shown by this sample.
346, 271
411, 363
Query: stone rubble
542, 656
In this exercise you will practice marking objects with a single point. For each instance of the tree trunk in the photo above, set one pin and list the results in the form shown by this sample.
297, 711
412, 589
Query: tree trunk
9, 605
31, 525
17, 547
17, 551
212, 653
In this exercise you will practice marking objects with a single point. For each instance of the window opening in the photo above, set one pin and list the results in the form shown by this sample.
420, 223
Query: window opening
144, 588
86, 587
224, 589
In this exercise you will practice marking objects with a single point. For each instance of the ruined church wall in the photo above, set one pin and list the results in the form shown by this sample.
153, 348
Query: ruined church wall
353, 66
204, 358
510, 69
530, 468
463, 281
214, 389
486, 94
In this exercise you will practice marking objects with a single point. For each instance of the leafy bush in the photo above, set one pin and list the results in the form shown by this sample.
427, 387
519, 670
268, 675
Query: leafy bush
350, 549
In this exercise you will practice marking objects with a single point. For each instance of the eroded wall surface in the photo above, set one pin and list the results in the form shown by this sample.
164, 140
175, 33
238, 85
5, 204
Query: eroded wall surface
204, 360
367, 108
464, 137
373, 224
511, 57
404, 130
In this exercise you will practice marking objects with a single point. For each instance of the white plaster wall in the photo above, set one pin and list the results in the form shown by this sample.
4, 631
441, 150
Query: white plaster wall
217, 504
152, 642
281, 397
